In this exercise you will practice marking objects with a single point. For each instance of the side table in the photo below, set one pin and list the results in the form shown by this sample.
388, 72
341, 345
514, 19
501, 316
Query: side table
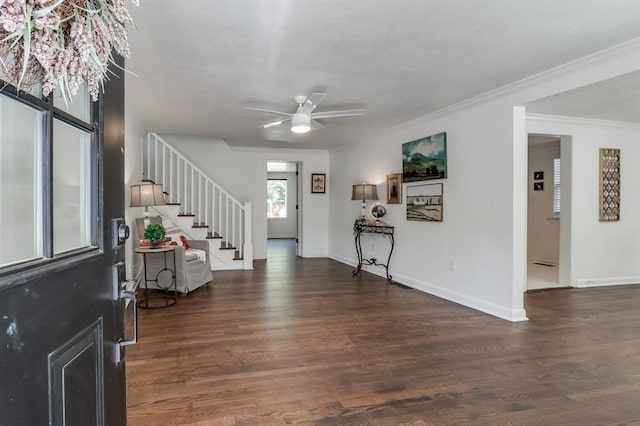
169, 299
360, 228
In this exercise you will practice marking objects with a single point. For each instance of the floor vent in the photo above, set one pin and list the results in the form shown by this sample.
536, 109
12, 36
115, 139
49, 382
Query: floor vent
400, 285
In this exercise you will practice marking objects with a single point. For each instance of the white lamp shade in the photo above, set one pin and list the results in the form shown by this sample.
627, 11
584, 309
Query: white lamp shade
146, 195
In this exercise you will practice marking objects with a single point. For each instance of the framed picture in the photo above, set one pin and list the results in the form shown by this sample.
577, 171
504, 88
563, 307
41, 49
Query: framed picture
424, 202
394, 188
538, 175
538, 186
425, 159
318, 183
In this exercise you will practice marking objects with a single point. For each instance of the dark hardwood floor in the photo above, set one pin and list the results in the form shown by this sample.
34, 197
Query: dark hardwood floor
302, 341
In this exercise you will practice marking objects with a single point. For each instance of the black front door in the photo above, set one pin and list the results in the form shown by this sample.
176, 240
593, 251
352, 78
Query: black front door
60, 312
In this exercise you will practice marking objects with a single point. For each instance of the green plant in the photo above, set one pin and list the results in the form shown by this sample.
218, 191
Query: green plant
155, 231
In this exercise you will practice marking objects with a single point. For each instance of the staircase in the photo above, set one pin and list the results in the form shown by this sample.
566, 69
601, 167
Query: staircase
199, 206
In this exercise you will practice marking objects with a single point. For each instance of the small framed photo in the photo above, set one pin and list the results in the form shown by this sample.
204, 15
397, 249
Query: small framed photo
318, 183
394, 188
538, 175
538, 186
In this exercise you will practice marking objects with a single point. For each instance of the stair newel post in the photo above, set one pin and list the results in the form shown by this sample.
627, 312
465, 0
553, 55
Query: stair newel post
247, 252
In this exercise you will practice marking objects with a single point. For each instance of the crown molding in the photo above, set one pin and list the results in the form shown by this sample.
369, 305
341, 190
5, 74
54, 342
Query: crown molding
578, 120
629, 47
298, 151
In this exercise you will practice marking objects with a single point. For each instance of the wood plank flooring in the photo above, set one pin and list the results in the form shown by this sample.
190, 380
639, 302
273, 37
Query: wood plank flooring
303, 342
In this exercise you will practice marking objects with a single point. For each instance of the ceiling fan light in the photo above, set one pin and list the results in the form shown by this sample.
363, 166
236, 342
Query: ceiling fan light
300, 123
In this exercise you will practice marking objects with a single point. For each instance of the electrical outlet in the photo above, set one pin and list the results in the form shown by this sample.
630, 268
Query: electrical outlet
452, 265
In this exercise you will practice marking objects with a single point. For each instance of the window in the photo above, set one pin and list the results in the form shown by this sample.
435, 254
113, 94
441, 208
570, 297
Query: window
276, 198
556, 187
48, 177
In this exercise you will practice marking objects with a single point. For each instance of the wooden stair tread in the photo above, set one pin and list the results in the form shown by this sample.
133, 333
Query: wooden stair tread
186, 215
213, 237
226, 246
199, 225
173, 204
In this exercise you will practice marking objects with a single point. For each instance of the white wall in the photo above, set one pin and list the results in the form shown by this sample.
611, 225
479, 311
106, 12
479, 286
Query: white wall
243, 173
601, 252
285, 227
476, 231
134, 132
484, 227
543, 230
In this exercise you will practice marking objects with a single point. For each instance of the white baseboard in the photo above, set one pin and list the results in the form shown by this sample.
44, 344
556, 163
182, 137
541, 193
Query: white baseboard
513, 315
603, 282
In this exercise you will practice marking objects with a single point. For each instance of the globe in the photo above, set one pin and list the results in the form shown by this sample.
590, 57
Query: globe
378, 210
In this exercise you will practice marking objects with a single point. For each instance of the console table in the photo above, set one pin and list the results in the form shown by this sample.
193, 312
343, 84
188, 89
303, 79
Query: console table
169, 299
360, 228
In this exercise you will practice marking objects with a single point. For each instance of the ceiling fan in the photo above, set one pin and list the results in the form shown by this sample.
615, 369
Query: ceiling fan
304, 118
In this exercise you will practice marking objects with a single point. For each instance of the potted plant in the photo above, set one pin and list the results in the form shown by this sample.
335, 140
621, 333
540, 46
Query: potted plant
155, 233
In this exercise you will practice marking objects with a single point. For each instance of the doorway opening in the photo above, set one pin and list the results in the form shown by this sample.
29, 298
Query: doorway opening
544, 211
283, 209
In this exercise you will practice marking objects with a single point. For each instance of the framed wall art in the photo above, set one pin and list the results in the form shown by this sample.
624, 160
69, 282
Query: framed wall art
538, 186
424, 202
394, 188
538, 175
609, 185
318, 183
425, 159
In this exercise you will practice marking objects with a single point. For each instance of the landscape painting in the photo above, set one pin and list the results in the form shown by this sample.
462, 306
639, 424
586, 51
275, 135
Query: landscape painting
424, 202
425, 159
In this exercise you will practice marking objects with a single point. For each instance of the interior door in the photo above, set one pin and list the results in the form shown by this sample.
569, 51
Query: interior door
61, 317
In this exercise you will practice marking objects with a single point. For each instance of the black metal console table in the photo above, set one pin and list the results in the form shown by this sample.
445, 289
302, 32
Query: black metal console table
360, 228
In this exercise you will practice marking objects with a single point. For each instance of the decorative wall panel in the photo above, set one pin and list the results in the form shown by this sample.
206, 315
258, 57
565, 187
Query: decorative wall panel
609, 185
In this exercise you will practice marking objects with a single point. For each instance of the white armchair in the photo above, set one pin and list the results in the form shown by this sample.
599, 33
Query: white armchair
192, 271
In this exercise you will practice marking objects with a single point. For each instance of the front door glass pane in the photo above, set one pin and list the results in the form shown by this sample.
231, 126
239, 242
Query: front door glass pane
79, 105
71, 187
20, 182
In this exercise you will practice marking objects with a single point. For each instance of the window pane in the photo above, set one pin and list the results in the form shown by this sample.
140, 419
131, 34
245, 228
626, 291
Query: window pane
20, 182
556, 186
35, 89
79, 106
71, 187
276, 198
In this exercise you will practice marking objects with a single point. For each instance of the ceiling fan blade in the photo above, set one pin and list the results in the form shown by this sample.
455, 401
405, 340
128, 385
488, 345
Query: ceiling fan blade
273, 123
268, 110
333, 114
312, 103
315, 125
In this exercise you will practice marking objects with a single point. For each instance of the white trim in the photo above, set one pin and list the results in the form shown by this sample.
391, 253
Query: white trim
603, 282
296, 151
513, 315
577, 120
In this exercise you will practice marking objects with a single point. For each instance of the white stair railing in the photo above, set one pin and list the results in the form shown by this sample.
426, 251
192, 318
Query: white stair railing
198, 195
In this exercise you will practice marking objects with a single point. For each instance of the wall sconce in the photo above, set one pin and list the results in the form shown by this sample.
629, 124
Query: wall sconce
145, 195
364, 192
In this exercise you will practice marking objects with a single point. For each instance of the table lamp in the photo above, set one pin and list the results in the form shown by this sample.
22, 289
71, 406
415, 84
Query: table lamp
145, 195
364, 192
